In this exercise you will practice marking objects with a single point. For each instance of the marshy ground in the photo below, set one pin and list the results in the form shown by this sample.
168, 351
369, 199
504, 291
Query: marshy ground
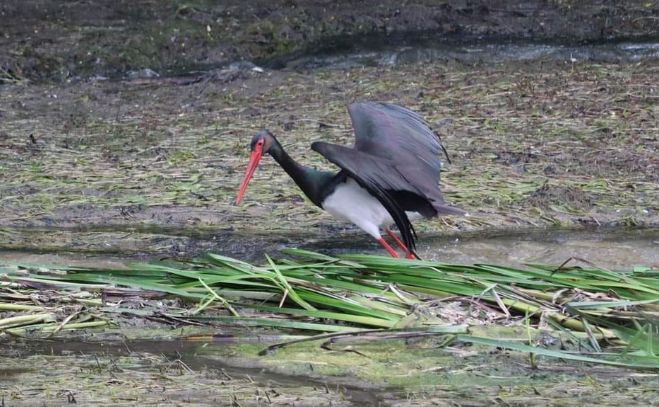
100, 171
533, 144
389, 373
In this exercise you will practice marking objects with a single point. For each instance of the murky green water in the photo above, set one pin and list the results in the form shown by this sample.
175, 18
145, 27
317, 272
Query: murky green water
388, 373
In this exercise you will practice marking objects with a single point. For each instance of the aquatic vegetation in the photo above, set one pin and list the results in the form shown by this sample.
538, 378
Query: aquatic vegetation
598, 315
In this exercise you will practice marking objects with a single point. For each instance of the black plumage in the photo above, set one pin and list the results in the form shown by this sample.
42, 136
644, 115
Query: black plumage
396, 158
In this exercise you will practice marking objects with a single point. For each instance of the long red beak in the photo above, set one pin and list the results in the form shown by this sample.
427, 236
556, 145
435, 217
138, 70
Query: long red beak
251, 167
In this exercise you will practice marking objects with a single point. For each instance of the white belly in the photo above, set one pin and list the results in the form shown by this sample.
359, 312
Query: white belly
351, 202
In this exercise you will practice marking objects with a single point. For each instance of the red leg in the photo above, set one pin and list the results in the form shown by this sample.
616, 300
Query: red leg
408, 253
388, 248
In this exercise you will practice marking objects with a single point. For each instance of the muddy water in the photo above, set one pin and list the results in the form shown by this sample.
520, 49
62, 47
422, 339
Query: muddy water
153, 373
380, 373
610, 248
378, 51
605, 248
215, 361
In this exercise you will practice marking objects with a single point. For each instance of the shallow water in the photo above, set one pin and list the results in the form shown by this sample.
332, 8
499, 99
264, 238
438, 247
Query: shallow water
606, 248
379, 52
609, 248
363, 373
208, 360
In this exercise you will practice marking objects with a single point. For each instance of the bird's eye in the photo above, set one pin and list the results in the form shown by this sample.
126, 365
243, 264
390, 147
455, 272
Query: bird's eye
260, 142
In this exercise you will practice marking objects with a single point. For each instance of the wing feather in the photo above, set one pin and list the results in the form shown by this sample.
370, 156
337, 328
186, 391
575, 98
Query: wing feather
368, 171
391, 131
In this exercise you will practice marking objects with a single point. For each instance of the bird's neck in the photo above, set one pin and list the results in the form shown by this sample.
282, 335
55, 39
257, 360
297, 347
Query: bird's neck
311, 181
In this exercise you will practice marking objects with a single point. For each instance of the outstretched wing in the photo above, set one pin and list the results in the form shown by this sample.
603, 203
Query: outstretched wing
396, 133
378, 176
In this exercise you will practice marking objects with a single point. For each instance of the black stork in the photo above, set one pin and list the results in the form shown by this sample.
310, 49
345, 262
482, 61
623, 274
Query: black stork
390, 175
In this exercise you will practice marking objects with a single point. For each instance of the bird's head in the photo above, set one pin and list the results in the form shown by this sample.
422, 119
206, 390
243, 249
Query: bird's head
260, 144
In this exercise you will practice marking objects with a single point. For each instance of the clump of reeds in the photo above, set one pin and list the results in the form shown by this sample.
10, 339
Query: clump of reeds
611, 315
